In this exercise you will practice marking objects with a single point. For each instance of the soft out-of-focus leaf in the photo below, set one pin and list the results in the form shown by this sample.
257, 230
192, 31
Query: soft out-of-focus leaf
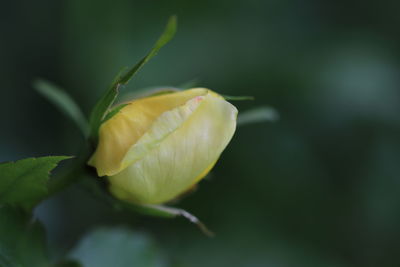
68, 263
64, 102
24, 182
117, 247
238, 98
22, 241
105, 102
260, 114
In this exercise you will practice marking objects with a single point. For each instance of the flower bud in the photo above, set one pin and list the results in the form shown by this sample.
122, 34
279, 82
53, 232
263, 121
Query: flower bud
158, 147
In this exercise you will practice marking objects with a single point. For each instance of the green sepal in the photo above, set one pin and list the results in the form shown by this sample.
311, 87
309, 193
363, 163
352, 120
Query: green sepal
237, 98
102, 107
98, 190
169, 212
189, 84
146, 92
113, 112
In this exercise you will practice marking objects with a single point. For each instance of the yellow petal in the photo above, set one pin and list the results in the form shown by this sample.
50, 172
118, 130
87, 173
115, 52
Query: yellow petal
161, 128
181, 158
122, 131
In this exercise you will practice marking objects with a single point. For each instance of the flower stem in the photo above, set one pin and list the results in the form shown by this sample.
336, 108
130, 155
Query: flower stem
75, 172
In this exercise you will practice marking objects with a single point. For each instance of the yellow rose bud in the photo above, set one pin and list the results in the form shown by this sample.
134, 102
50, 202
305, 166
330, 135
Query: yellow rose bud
156, 148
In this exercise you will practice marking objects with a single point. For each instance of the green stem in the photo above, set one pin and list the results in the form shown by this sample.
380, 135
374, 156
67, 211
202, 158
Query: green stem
72, 175
58, 184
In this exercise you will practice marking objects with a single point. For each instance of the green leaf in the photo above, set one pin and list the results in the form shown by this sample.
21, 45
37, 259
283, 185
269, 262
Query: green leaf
117, 247
22, 241
260, 114
101, 108
24, 183
64, 102
237, 98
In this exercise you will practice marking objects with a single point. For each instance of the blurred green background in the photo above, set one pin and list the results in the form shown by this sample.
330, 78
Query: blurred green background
320, 187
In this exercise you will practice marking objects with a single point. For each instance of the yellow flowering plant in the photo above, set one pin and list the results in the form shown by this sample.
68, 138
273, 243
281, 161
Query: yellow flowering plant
156, 148
150, 150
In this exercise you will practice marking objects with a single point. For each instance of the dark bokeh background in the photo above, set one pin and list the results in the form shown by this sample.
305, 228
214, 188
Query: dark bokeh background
320, 187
